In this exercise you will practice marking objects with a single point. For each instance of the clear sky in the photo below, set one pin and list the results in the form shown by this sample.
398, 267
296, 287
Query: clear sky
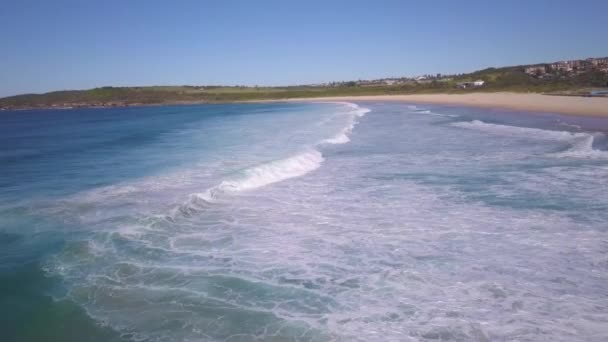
60, 44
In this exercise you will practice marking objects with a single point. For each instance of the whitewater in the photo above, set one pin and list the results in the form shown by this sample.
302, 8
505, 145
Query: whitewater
326, 221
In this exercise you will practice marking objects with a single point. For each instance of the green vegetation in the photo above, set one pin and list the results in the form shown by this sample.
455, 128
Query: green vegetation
512, 79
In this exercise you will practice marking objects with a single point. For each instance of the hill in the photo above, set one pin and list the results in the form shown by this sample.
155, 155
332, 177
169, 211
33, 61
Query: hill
543, 78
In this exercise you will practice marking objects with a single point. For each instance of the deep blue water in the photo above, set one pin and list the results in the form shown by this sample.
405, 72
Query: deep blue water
302, 222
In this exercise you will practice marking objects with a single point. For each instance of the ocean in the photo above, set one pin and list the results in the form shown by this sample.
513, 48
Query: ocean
303, 222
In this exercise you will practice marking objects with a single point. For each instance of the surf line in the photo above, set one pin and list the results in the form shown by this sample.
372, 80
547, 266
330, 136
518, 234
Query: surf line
271, 172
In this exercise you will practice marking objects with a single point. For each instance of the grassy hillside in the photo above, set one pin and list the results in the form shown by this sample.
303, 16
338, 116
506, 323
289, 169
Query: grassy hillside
515, 79
497, 79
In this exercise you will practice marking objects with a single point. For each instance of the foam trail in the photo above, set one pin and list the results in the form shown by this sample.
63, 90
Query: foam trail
343, 136
272, 172
295, 258
519, 132
412, 109
253, 178
429, 112
355, 109
581, 144
565, 124
340, 138
582, 148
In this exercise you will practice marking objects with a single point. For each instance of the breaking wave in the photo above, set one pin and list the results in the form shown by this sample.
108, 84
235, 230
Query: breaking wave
416, 110
518, 132
582, 148
429, 112
252, 178
343, 136
581, 144
268, 173
272, 172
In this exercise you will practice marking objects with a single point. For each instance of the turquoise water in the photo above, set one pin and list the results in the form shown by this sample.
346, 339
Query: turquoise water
302, 222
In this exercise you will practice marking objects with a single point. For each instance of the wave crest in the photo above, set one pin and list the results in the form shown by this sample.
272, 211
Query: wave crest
253, 178
582, 148
581, 143
355, 112
518, 132
271, 172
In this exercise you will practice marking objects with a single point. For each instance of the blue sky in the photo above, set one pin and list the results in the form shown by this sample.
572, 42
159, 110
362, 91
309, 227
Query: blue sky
55, 45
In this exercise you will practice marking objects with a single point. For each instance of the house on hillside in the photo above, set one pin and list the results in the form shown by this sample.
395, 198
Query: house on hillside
474, 84
561, 66
598, 62
536, 70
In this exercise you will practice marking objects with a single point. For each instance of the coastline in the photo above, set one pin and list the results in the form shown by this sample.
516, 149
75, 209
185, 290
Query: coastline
580, 106
569, 105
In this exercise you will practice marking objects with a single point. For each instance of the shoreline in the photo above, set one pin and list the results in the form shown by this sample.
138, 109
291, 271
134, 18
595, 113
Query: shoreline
569, 105
578, 106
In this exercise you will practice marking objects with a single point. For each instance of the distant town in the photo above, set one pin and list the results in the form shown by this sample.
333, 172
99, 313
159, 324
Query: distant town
544, 71
566, 69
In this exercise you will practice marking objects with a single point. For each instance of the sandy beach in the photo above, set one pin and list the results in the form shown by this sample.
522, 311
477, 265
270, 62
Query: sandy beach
572, 105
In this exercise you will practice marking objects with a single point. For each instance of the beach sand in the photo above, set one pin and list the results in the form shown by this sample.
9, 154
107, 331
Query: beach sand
572, 105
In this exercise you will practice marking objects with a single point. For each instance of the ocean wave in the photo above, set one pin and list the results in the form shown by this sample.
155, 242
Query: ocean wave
342, 136
170, 196
518, 132
582, 148
271, 172
355, 112
412, 109
430, 112
565, 124
581, 143
355, 109
253, 178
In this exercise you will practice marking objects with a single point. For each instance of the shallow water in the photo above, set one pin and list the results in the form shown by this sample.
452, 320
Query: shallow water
303, 222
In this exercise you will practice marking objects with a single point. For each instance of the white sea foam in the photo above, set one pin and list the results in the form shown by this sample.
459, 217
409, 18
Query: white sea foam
294, 166
417, 110
518, 132
369, 247
430, 112
340, 138
152, 194
565, 124
355, 112
274, 171
268, 173
581, 144
582, 148
252, 178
